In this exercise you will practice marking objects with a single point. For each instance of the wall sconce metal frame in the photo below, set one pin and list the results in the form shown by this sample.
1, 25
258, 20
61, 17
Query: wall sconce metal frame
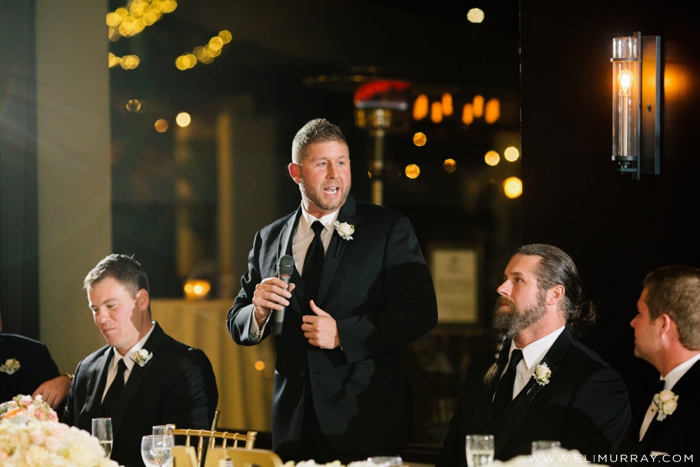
636, 104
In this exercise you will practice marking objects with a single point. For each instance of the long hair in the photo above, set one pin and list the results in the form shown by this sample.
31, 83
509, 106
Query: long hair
555, 268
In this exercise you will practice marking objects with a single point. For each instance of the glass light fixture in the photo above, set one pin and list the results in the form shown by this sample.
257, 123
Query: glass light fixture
636, 103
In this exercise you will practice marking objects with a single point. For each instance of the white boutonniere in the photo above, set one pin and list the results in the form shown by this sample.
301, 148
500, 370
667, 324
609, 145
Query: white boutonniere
344, 229
542, 374
11, 365
667, 402
142, 357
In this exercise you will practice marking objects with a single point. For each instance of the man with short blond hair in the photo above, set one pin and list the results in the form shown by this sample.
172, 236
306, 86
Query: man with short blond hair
359, 290
142, 377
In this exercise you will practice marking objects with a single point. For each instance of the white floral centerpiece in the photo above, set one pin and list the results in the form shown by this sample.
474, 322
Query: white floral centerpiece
30, 435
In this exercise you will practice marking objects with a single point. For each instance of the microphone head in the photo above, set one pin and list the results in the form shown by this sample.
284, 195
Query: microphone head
285, 266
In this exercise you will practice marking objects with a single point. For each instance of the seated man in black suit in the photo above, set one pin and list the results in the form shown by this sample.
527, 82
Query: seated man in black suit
26, 367
545, 385
143, 377
667, 335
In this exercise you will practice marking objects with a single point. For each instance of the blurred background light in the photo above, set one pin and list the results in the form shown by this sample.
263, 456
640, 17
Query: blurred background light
412, 171
475, 15
419, 139
511, 154
183, 119
449, 165
420, 107
513, 187
492, 158
161, 125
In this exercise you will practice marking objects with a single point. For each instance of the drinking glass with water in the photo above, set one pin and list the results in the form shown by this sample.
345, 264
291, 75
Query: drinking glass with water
479, 450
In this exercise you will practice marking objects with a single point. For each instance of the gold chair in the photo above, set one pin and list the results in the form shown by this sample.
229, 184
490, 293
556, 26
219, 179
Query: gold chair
211, 447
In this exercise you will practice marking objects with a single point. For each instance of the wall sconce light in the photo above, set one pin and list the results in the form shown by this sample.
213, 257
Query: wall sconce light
636, 104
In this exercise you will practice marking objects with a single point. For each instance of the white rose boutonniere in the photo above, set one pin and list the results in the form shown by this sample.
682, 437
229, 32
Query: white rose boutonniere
142, 357
10, 366
344, 229
667, 402
542, 374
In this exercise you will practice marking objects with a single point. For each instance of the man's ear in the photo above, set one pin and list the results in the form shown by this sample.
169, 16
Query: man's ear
143, 299
555, 294
294, 171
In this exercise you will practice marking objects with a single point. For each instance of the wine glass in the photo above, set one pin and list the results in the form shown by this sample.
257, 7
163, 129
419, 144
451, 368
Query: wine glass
102, 430
156, 450
479, 450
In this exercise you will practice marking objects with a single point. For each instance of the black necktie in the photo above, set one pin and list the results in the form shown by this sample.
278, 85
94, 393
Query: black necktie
114, 390
504, 392
313, 263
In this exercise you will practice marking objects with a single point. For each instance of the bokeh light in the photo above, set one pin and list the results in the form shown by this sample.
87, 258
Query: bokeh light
436, 112
420, 107
513, 187
492, 158
412, 171
493, 111
133, 105
419, 139
511, 154
183, 119
475, 15
161, 125
449, 165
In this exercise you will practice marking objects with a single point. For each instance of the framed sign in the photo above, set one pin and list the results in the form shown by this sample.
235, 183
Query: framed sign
455, 273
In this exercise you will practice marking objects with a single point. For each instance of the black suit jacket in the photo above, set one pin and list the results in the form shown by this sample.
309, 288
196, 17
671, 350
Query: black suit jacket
36, 366
678, 433
177, 385
378, 288
585, 406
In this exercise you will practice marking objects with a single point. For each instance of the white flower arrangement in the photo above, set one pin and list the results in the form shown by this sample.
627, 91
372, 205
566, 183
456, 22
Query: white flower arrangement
31, 436
542, 374
344, 229
10, 366
667, 402
141, 357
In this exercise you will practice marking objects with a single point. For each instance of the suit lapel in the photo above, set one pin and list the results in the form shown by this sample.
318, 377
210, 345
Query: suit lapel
517, 410
284, 247
335, 250
93, 401
138, 374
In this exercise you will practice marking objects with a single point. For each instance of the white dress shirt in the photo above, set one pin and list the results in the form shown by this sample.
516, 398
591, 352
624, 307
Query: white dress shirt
533, 354
112, 371
671, 379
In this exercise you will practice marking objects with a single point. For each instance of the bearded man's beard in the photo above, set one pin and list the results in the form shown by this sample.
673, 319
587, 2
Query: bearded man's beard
511, 322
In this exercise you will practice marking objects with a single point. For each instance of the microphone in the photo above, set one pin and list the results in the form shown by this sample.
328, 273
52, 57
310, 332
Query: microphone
285, 269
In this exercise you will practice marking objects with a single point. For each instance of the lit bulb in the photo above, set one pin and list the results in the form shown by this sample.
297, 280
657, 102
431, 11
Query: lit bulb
625, 79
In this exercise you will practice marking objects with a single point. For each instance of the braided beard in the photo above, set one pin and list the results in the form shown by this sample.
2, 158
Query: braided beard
511, 322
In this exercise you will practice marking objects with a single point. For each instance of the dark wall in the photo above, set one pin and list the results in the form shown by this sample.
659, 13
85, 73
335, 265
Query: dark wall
616, 229
19, 231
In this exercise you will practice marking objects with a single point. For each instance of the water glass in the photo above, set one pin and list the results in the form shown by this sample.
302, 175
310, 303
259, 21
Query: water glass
102, 430
156, 450
386, 461
544, 445
163, 430
479, 450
